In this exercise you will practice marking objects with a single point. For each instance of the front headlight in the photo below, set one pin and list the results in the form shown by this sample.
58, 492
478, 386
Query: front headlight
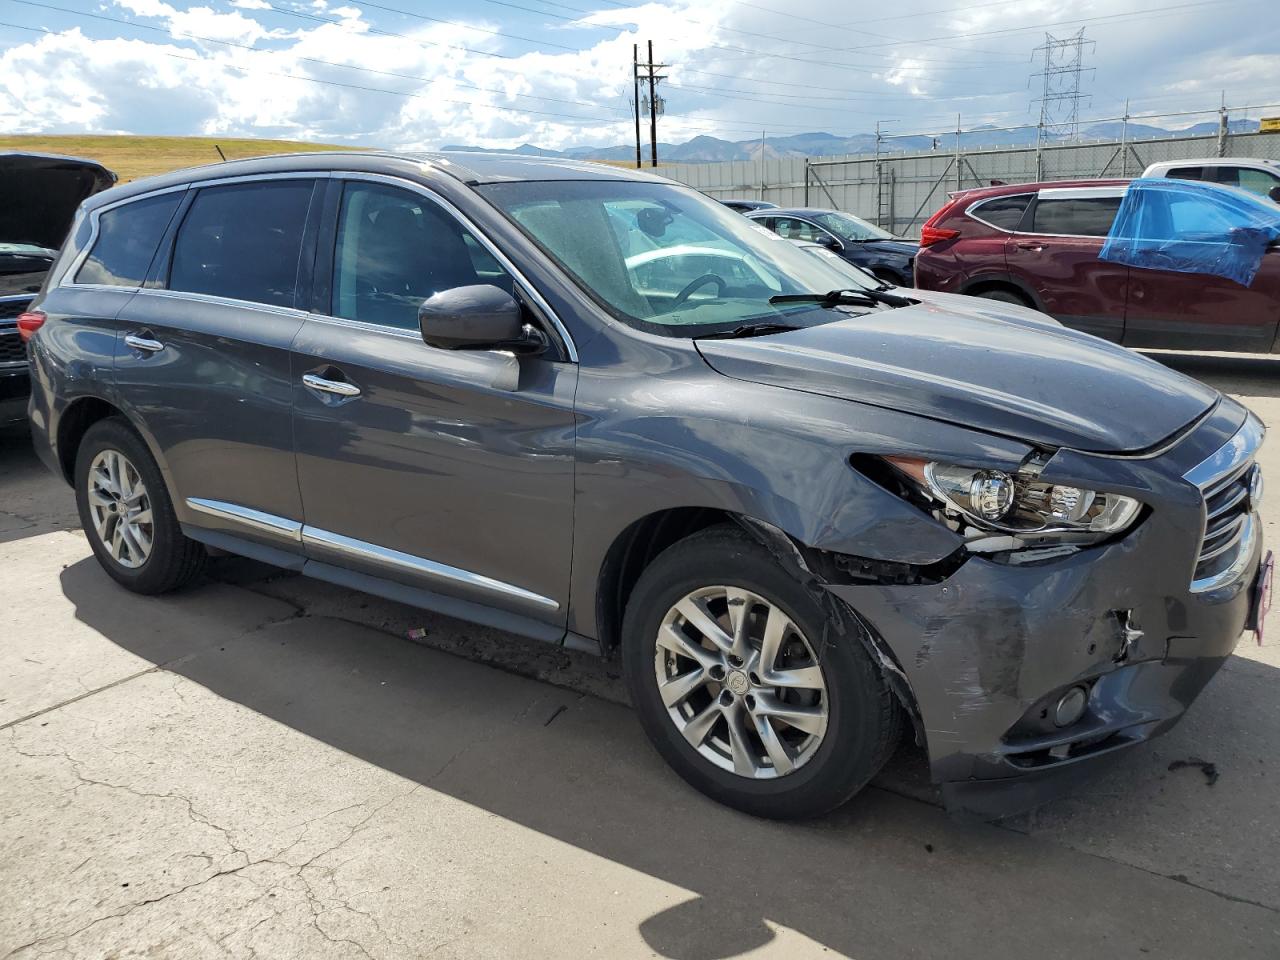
1020, 504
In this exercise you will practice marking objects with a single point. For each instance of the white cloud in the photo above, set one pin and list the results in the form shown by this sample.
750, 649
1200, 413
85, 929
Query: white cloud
837, 78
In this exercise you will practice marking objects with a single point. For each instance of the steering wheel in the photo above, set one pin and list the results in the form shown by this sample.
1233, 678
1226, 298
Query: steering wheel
693, 285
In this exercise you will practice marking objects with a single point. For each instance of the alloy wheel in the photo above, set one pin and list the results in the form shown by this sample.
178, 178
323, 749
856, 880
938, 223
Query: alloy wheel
741, 682
120, 508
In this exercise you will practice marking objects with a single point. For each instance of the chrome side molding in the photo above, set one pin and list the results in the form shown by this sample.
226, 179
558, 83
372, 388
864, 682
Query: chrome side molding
262, 522
362, 550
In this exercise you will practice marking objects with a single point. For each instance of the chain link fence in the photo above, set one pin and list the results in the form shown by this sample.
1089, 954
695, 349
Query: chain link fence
900, 191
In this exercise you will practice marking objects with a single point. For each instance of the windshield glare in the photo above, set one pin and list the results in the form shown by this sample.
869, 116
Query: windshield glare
666, 258
851, 228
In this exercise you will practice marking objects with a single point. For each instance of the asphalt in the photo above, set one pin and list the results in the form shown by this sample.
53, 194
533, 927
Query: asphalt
265, 766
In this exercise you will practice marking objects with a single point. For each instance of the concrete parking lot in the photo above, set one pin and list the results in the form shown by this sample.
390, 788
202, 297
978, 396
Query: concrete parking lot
266, 766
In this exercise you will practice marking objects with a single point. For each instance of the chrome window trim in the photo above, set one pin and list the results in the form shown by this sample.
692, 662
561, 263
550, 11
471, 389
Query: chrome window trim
496, 252
292, 312
1069, 193
362, 550
968, 211
14, 298
262, 522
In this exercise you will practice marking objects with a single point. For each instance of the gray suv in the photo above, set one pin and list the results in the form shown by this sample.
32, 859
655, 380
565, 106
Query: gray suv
596, 408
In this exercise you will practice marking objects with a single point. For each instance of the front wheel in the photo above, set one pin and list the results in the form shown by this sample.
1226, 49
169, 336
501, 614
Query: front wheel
743, 689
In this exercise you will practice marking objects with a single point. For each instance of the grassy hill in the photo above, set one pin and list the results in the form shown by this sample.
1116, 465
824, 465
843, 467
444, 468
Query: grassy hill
134, 157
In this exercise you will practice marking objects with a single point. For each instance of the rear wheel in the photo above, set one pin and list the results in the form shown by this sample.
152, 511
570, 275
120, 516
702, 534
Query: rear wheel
728, 665
126, 512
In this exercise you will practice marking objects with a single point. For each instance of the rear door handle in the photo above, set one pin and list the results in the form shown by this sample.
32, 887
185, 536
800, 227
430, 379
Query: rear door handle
337, 387
1035, 247
143, 344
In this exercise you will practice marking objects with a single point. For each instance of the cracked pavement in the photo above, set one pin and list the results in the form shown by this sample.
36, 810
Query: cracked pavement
264, 766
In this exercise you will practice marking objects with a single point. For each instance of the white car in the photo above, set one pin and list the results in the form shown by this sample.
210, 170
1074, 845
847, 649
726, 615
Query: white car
1257, 176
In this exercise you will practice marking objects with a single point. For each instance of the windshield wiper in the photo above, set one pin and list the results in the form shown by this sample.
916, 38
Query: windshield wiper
750, 330
834, 298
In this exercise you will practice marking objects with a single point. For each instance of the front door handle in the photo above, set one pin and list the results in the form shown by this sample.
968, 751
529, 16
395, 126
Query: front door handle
1034, 247
337, 387
143, 344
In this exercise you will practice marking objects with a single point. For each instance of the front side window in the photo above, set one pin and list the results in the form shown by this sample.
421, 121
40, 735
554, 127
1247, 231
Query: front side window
666, 259
243, 241
1259, 182
396, 249
127, 240
1075, 216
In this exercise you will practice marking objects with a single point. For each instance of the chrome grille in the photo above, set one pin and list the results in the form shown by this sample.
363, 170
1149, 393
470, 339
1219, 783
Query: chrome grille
1229, 481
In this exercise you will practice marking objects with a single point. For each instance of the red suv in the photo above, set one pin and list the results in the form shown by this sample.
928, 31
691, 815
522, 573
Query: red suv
1037, 244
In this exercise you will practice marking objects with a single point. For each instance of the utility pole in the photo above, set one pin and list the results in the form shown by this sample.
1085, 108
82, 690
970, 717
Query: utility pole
635, 91
1223, 126
655, 104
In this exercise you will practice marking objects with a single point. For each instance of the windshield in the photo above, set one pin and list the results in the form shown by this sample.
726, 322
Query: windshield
850, 228
667, 259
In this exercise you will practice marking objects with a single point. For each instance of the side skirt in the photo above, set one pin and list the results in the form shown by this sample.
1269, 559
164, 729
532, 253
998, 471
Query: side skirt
388, 589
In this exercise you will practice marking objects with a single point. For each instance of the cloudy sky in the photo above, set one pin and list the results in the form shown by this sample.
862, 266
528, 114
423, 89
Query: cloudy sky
413, 73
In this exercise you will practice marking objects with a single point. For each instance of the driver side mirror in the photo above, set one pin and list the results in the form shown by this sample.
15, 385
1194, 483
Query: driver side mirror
1274, 194
831, 243
478, 317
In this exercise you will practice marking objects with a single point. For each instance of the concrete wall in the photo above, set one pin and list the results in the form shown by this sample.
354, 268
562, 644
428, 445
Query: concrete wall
900, 191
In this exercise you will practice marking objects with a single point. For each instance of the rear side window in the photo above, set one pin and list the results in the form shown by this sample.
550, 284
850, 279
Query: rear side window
243, 241
127, 240
1003, 212
1075, 216
1186, 173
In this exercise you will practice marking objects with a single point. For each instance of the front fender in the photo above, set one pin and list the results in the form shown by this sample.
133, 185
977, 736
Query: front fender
765, 453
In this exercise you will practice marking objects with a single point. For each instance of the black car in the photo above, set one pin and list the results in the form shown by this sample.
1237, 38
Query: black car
39, 194
594, 407
746, 206
863, 244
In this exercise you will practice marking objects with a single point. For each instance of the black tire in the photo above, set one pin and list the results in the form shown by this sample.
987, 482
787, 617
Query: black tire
864, 721
1004, 295
174, 559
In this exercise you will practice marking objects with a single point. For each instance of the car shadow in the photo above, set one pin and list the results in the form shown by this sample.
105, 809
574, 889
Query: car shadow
883, 877
27, 508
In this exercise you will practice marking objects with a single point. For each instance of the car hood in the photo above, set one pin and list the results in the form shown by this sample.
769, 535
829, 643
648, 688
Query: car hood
39, 194
976, 364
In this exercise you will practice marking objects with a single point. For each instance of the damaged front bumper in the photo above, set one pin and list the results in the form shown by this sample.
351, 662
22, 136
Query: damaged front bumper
990, 651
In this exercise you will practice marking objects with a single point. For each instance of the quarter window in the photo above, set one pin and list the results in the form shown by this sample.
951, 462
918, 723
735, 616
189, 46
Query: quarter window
1075, 216
127, 240
1003, 212
395, 249
243, 241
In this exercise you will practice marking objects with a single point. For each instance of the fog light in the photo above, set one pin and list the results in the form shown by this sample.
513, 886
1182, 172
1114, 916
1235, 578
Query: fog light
1070, 706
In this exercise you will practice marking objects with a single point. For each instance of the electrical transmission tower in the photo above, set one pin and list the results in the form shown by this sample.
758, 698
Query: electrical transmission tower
1063, 67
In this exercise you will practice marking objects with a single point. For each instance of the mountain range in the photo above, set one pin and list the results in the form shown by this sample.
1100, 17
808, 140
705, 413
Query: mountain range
706, 149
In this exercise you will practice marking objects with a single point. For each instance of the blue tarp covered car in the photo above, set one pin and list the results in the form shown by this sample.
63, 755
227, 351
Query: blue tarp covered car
1191, 227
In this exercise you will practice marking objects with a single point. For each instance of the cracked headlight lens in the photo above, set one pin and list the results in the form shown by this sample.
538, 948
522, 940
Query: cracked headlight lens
1020, 503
